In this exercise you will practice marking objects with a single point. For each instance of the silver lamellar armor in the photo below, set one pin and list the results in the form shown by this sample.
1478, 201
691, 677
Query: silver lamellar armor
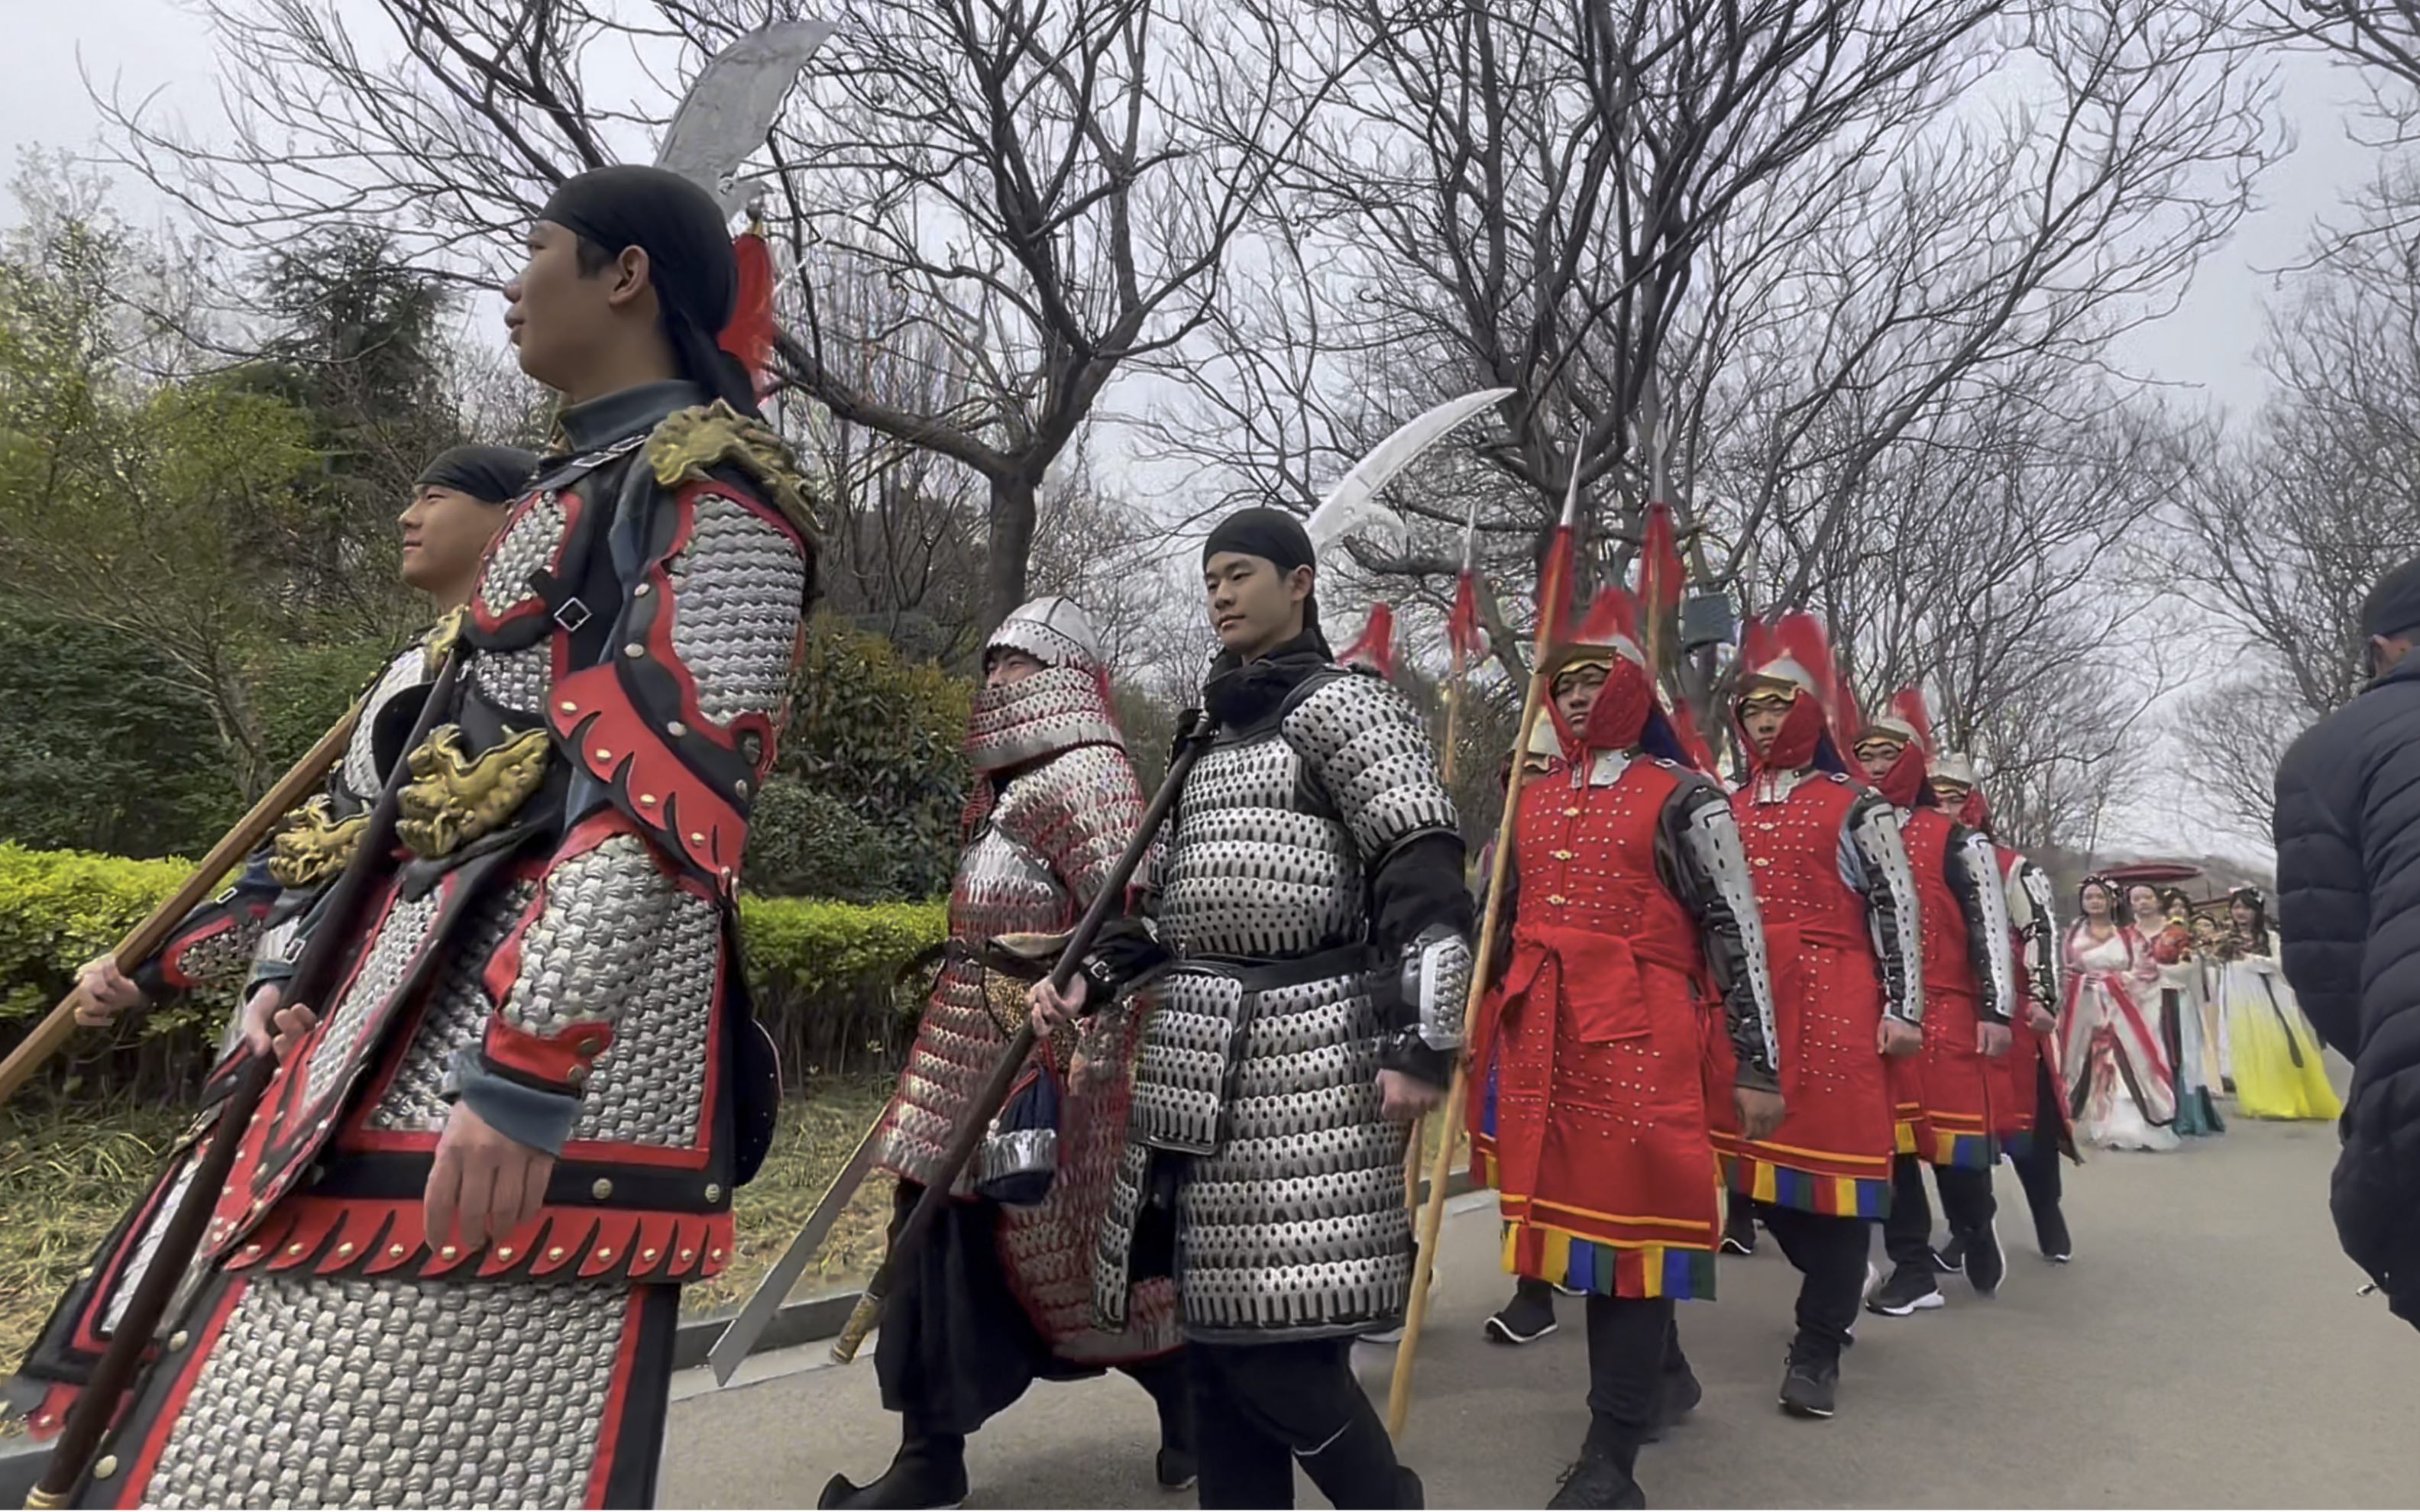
1261, 1060
1873, 839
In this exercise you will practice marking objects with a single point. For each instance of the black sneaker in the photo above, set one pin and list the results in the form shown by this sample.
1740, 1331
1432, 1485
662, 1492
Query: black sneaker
1986, 1266
1810, 1382
1525, 1320
1739, 1232
1910, 1290
1562, 1290
1599, 1478
1950, 1257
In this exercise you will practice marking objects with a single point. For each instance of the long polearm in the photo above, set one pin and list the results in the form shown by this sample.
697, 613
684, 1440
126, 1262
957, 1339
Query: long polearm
1554, 589
315, 973
46, 1038
976, 1121
1456, 689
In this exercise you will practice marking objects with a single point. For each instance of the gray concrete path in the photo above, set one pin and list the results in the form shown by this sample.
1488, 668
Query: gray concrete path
2204, 1349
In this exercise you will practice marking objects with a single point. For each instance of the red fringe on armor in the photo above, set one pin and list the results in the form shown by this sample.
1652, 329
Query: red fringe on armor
338, 1236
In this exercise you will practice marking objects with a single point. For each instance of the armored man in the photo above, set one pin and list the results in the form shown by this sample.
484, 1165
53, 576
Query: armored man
242, 940
1310, 944
447, 1266
1634, 937
1003, 1292
1946, 1095
1832, 877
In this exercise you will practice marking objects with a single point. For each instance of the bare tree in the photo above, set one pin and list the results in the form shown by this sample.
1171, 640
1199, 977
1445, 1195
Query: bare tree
2285, 530
1049, 189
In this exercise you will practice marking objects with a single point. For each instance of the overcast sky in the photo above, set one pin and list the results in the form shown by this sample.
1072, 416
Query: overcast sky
2207, 345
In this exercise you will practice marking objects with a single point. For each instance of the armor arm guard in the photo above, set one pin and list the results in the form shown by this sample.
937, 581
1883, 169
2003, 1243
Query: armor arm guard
1971, 872
1873, 839
1710, 864
214, 945
2035, 920
617, 943
676, 726
1370, 752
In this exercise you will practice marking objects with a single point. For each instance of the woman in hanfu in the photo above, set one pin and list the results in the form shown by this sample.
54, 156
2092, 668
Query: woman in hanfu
2279, 1072
2173, 991
2119, 1086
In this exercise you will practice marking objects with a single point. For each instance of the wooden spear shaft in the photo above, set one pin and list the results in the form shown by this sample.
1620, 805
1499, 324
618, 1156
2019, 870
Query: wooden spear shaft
46, 1038
1454, 696
1398, 1396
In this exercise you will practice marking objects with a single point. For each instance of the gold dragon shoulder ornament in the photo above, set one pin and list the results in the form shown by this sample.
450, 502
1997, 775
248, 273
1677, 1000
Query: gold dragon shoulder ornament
691, 442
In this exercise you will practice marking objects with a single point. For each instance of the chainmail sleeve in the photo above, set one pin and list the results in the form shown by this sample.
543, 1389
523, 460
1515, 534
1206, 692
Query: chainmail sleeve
1710, 869
1972, 874
1871, 838
2034, 916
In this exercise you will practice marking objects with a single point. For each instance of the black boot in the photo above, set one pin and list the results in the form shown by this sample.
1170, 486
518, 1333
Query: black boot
1176, 1467
929, 1471
1603, 1476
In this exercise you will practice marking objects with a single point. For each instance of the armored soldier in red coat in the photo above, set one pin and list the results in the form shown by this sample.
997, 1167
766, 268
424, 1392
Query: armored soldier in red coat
1840, 907
1945, 1095
2030, 1109
1634, 935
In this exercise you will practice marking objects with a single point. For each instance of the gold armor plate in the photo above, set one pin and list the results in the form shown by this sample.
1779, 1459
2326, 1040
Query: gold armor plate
314, 844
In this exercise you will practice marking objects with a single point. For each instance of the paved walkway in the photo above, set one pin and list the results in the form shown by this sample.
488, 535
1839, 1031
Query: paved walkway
2205, 1349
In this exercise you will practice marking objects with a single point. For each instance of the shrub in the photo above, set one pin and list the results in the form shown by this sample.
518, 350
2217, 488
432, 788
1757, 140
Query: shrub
837, 983
887, 737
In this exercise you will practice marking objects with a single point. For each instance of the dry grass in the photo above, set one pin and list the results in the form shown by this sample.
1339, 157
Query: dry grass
66, 1178
64, 1181
819, 1133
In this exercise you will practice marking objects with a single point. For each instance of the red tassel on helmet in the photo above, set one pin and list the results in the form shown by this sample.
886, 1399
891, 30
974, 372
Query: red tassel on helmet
1374, 648
749, 335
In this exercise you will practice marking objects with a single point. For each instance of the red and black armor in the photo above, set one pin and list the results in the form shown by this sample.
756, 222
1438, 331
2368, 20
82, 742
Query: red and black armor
554, 946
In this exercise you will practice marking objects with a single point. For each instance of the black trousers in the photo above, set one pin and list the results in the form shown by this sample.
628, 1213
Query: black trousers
1966, 1201
1633, 1342
1830, 1256
958, 1347
1259, 1408
2038, 1169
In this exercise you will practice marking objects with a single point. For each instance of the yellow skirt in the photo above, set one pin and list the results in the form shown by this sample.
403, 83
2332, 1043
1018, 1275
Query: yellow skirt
2279, 1071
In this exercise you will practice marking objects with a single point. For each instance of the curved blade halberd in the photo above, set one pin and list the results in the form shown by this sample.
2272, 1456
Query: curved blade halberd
1353, 505
731, 104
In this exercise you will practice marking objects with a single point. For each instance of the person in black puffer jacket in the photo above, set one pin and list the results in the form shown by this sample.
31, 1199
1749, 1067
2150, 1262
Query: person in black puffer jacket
2348, 833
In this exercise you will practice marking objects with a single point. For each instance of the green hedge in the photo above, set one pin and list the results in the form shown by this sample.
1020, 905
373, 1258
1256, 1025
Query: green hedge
838, 984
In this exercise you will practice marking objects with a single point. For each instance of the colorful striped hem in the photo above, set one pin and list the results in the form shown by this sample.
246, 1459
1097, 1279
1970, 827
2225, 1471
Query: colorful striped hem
2017, 1146
1835, 1196
1966, 1151
1567, 1259
1908, 1141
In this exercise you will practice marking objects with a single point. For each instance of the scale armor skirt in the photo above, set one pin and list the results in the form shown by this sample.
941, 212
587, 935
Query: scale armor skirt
340, 1391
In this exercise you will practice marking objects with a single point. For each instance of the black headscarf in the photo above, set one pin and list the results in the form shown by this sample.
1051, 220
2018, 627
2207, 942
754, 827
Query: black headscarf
688, 242
1273, 535
490, 474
